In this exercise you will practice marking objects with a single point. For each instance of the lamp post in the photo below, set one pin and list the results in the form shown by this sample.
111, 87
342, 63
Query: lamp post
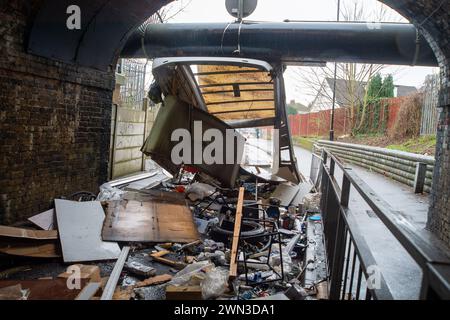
334, 85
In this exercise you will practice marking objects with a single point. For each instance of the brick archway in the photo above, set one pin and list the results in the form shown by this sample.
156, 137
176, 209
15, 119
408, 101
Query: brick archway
56, 92
432, 18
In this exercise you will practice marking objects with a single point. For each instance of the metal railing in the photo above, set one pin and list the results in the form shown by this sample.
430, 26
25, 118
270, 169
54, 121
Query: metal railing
350, 260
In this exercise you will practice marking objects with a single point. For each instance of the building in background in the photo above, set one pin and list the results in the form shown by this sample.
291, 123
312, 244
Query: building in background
294, 107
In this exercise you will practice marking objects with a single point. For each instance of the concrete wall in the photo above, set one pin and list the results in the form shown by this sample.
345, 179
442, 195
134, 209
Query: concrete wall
398, 165
54, 122
128, 140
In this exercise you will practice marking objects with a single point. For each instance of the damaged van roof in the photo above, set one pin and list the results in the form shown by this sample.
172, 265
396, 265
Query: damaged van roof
230, 88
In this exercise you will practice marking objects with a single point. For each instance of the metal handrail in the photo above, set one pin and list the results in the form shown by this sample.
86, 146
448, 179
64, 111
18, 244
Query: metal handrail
343, 232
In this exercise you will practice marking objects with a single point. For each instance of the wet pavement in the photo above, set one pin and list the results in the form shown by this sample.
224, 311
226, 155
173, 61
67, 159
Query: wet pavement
402, 274
400, 271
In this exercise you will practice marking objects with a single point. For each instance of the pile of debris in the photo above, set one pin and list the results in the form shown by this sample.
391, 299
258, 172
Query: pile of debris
162, 237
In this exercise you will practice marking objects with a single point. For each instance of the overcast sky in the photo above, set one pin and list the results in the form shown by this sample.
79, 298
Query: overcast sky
279, 10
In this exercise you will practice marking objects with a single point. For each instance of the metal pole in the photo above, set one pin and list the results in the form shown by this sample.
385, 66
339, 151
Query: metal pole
334, 84
241, 10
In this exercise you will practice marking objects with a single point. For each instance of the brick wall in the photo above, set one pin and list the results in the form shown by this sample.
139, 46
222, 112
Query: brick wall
55, 118
433, 18
54, 122
439, 213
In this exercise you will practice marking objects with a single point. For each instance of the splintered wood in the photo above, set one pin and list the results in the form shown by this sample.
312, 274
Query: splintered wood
155, 220
163, 278
19, 233
236, 234
26, 249
29, 243
159, 257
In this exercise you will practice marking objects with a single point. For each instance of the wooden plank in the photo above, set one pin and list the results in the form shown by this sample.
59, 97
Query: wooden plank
89, 272
159, 279
157, 219
236, 234
246, 115
183, 293
31, 248
80, 225
244, 95
20, 233
158, 257
111, 285
123, 293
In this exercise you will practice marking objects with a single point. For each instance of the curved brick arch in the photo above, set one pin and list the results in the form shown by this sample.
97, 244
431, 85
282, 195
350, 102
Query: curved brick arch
105, 26
432, 17
56, 93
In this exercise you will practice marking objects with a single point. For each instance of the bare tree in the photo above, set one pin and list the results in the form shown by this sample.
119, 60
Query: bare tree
165, 14
312, 80
168, 12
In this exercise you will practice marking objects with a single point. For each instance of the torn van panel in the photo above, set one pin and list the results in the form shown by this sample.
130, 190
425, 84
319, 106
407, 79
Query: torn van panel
224, 93
177, 114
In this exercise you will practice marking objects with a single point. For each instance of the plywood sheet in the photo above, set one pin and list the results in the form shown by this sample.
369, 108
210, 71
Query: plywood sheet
80, 225
154, 220
230, 88
230, 76
244, 95
236, 234
242, 87
240, 106
31, 248
246, 115
20, 233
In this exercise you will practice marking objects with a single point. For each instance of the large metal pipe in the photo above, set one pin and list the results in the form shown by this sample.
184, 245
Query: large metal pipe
291, 42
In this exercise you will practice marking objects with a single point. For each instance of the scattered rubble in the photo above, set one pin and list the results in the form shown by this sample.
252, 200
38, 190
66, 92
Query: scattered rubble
182, 238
